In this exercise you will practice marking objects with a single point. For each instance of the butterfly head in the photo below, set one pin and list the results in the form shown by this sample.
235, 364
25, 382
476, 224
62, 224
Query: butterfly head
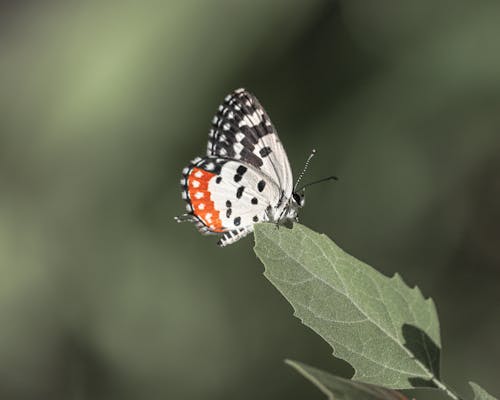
296, 201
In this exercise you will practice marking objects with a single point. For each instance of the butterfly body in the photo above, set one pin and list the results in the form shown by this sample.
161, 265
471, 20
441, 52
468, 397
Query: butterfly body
244, 179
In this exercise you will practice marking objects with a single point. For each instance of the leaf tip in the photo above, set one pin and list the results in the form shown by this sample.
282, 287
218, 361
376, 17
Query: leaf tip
480, 393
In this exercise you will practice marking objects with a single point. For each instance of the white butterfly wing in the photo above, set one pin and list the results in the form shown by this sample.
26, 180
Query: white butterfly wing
243, 131
243, 195
226, 195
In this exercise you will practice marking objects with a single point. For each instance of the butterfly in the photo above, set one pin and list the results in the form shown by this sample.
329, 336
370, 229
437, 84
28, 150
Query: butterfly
245, 177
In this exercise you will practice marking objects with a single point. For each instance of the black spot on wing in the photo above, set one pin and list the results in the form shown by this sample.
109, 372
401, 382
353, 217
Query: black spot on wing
237, 221
254, 200
261, 185
249, 157
210, 164
250, 140
241, 169
252, 135
239, 192
265, 151
262, 129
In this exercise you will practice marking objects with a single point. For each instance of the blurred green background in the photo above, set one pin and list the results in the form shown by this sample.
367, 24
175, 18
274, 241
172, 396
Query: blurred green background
102, 103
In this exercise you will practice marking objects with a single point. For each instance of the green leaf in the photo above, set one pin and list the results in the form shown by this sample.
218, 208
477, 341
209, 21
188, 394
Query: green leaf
388, 332
337, 388
480, 393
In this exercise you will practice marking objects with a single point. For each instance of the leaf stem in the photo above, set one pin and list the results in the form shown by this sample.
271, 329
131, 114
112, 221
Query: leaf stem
440, 385
445, 389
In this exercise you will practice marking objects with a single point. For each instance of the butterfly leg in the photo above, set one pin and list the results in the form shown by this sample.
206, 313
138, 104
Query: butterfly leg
202, 228
233, 236
185, 218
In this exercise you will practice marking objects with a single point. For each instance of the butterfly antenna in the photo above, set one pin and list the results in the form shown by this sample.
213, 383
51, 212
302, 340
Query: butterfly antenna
306, 165
328, 178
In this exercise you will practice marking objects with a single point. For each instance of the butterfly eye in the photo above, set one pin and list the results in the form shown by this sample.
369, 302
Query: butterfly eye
298, 198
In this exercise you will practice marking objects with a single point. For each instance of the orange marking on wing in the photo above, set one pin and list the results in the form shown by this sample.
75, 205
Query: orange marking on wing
203, 206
